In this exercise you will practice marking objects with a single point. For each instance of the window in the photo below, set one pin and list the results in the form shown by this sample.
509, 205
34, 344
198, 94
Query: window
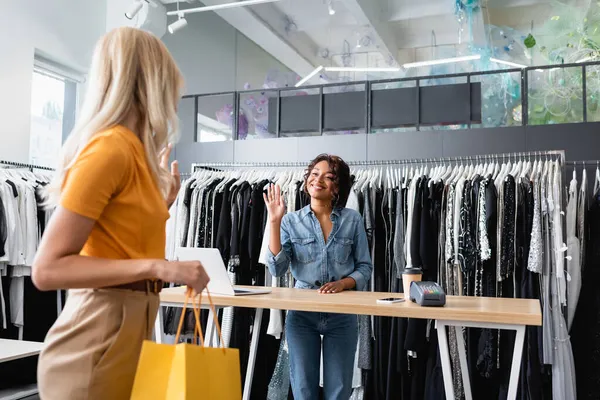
53, 107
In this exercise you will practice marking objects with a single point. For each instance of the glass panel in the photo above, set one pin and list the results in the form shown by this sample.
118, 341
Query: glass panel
438, 82
375, 128
47, 110
300, 113
593, 92
215, 118
185, 112
258, 69
555, 96
500, 100
344, 109
258, 112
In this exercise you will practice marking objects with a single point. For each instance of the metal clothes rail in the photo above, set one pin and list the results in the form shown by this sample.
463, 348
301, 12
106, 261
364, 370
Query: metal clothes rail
24, 165
560, 154
583, 163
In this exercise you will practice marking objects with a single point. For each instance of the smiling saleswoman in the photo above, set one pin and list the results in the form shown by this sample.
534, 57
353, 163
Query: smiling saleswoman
326, 246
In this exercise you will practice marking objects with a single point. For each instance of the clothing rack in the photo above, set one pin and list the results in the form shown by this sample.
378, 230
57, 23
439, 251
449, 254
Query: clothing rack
416, 161
583, 163
23, 165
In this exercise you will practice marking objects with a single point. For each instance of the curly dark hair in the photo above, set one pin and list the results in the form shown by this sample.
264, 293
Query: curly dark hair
341, 180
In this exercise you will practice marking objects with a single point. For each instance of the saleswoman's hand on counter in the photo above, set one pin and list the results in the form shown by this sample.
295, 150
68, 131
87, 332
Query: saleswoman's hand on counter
337, 286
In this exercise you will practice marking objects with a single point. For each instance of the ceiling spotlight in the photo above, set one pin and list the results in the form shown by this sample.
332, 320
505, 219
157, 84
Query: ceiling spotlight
330, 7
177, 25
134, 9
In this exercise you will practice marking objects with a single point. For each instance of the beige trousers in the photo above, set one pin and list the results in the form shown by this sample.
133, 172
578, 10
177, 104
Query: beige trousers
92, 350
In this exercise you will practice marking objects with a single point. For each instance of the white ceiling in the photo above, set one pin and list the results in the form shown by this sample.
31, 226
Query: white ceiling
302, 34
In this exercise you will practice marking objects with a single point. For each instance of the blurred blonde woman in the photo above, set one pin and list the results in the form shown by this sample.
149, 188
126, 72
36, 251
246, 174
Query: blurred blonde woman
106, 240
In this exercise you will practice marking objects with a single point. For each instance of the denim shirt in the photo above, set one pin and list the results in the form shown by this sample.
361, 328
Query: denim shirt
315, 262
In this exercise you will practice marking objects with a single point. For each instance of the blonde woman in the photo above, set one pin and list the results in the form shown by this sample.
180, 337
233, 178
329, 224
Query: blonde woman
106, 240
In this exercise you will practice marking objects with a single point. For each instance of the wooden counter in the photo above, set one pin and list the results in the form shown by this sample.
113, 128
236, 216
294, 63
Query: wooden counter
457, 308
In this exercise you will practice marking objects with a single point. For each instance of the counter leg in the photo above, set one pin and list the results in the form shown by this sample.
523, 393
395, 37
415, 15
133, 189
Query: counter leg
445, 358
516, 363
158, 325
210, 330
464, 366
253, 351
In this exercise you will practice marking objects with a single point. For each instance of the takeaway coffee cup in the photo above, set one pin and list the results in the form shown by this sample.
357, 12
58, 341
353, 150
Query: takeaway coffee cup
409, 276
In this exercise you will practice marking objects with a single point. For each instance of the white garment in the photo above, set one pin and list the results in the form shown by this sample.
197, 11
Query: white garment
535, 259
170, 232
573, 260
275, 327
17, 300
559, 246
408, 237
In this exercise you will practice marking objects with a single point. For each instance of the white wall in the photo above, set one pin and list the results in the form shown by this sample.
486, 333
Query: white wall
63, 30
215, 57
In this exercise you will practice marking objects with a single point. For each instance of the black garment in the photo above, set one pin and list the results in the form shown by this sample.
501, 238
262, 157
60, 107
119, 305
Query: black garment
256, 227
223, 239
421, 230
41, 215
3, 231
240, 337
187, 198
531, 380
488, 342
507, 254
415, 240
377, 382
585, 332
202, 211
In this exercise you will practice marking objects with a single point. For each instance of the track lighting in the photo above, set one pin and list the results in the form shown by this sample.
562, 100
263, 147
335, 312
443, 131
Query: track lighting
509, 63
307, 77
134, 9
359, 69
442, 61
177, 25
235, 4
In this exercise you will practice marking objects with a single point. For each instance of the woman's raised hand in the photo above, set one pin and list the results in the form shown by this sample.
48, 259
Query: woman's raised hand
274, 202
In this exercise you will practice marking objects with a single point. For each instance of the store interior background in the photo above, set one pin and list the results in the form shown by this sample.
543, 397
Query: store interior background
277, 44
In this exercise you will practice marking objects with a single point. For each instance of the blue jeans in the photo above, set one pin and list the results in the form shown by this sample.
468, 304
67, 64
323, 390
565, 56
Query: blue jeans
340, 335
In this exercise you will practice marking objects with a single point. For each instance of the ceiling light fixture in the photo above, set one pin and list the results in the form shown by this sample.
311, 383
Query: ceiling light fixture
221, 6
307, 77
358, 69
330, 7
509, 63
177, 25
441, 61
134, 9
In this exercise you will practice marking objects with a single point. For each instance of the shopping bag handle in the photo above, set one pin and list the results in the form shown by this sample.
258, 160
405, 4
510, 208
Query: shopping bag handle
214, 313
195, 308
197, 327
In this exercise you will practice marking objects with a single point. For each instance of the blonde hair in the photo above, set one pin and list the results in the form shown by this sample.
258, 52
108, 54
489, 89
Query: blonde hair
132, 73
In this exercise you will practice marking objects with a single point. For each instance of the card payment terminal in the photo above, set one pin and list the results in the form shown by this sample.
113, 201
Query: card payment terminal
427, 294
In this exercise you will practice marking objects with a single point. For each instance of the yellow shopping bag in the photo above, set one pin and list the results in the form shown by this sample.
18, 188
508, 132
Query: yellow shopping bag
185, 371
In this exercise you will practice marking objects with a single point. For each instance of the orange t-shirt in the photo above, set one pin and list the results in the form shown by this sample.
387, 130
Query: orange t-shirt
112, 184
